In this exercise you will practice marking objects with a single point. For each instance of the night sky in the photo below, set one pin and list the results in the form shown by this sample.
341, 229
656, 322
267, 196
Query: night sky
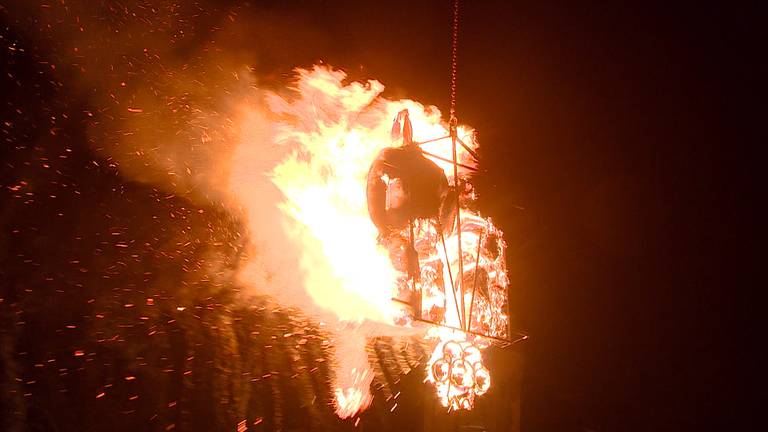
611, 142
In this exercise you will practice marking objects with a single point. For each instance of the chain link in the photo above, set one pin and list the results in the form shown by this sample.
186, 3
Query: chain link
454, 54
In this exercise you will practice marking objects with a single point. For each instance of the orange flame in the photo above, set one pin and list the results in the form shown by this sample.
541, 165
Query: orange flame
456, 368
325, 136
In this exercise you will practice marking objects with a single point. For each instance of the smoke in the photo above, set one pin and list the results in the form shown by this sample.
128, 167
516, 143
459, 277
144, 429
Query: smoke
174, 100
171, 91
165, 82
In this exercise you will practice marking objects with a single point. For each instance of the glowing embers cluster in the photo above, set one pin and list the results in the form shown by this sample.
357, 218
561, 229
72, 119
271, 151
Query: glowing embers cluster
477, 302
457, 371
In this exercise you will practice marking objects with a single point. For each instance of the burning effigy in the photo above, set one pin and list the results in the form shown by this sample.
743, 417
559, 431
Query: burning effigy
377, 204
239, 254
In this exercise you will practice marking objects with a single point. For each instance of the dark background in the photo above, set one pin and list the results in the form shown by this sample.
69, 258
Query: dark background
615, 152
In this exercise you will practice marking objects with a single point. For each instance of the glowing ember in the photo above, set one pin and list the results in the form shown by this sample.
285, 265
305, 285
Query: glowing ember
456, 368
330, 132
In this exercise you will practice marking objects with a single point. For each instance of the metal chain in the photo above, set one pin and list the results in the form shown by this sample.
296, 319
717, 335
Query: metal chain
459, 281
454, 49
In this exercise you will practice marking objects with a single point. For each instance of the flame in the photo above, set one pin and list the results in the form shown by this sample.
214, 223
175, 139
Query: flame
328, 132
456, 368
324, 185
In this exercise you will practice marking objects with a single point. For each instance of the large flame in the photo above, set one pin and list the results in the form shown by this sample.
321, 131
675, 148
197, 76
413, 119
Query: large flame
328, 132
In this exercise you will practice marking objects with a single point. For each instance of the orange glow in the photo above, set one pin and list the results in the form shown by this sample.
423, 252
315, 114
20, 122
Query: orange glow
457, 371
328, 132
